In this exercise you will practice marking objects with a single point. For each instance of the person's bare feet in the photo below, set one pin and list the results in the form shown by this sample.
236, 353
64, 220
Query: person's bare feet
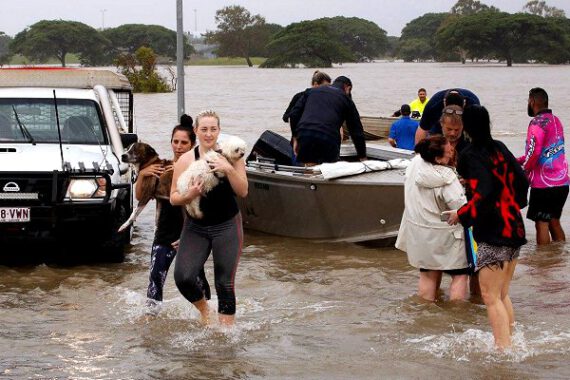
204, 310
226, 320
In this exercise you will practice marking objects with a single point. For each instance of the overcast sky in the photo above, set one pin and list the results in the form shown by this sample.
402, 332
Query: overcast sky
390, 15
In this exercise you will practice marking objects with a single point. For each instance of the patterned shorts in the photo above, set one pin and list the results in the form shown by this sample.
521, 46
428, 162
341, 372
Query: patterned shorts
494, 255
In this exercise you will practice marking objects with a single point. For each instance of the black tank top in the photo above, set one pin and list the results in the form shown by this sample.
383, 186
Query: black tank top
169, 225
219, 204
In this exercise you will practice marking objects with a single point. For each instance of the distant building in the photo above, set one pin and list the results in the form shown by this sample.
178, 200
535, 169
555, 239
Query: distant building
203, 50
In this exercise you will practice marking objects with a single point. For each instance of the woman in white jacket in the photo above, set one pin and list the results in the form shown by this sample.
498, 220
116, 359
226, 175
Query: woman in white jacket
433, 246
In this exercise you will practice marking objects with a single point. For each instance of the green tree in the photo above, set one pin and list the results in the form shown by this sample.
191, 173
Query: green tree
140, 69
469, 7
5, 54
130, 37
553, 44
418, 37
500, 35
239, 33
363, 38
539, 8
46, 39
415, 49
263, 33
392, 49
311, 43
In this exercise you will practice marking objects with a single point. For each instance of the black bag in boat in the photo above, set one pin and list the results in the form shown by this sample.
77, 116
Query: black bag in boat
273, 146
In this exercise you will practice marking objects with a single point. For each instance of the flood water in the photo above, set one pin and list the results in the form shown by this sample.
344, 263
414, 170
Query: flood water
305, 310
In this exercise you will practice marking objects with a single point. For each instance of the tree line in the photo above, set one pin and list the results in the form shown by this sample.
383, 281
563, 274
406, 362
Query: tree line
48, 39
471, 30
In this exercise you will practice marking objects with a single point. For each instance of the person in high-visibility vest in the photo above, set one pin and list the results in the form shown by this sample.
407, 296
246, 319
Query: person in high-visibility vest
419, 104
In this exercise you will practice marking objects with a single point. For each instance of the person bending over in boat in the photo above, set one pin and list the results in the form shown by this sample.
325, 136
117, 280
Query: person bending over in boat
497, 190
319, 78
429, 123
432, 189
316, 120
403, 131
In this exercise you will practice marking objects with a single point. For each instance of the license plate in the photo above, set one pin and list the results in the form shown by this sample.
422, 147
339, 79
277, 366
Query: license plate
14, 214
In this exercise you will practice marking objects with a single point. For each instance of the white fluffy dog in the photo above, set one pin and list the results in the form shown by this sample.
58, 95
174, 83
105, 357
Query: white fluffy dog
232, 148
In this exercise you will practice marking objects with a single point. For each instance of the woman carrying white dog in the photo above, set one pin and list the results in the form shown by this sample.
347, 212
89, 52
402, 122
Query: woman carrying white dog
220, 229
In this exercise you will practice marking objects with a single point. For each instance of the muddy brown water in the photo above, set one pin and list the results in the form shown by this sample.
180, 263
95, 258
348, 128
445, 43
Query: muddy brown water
305, 310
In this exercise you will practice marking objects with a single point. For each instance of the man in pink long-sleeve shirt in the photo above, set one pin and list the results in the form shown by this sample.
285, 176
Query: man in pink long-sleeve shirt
545, 164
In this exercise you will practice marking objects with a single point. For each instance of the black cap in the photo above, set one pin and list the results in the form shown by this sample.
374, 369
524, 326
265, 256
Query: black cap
344, 80
405, 109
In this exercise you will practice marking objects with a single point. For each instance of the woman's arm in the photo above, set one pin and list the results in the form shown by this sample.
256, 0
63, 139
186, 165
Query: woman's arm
151, 170
194, 189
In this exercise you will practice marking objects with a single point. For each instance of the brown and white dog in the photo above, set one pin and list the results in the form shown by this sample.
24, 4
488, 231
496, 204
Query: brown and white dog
142, 155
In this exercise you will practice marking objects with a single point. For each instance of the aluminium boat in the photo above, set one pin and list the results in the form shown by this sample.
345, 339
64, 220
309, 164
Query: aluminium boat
358, 206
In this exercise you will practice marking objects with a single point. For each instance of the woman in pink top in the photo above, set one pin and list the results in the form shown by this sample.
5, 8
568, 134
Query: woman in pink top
545, 164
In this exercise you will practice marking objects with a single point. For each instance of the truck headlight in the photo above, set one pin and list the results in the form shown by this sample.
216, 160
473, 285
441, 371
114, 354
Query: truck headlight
86, 188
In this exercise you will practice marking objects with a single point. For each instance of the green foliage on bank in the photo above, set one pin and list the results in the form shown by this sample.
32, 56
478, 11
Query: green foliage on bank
140, 69
475, 31
322, 42
240, 34
56, 39
130, 37
470, 30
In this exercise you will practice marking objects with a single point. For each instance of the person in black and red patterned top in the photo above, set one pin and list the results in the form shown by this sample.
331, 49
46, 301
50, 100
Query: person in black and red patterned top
496, 189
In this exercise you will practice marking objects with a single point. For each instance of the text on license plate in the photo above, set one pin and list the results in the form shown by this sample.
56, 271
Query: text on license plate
14, 214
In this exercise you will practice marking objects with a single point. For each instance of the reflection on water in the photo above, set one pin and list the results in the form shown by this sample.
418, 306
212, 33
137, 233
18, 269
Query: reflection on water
305, 310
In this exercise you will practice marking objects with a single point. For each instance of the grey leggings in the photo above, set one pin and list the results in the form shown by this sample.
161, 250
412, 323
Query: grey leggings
225, 241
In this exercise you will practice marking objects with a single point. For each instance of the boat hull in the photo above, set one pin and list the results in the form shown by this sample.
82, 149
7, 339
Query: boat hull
366, 208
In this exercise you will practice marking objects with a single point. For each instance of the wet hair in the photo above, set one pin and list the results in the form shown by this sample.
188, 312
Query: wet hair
431, 147
320, 77
453, 97
344, 80
185, 126
539, 95
477, 125
207, 113
422, 89
447, 113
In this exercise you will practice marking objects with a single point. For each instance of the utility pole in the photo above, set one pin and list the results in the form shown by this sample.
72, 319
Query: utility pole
103, 19
179, 58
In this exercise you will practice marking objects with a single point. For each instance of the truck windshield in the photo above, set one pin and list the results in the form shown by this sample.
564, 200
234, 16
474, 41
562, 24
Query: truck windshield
34, 120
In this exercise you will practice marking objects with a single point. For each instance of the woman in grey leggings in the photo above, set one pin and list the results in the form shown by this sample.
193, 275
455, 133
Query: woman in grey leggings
219, 230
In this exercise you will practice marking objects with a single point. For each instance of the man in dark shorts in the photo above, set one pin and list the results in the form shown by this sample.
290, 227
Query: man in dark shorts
317, 118
429, 123
546, 167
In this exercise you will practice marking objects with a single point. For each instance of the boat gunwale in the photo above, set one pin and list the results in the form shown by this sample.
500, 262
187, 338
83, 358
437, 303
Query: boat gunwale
352, 180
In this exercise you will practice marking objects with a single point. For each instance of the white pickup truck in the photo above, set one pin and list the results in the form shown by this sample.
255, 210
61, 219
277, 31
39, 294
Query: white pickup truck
62, 182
